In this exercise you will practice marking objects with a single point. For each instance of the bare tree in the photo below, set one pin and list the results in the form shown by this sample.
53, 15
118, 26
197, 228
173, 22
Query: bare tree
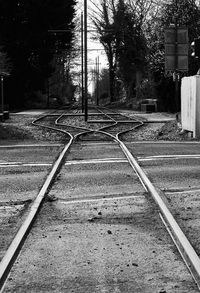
103, 19
119, 28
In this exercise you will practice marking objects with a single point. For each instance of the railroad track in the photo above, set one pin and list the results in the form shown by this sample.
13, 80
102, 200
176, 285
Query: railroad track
105, 130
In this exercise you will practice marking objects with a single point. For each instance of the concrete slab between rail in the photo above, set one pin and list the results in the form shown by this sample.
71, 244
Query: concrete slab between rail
111, 206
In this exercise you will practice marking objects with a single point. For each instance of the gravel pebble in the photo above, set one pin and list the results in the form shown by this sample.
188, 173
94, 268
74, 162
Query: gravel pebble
20, 127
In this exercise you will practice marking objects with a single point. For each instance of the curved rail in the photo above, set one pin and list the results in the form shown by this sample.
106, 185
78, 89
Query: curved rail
185, 248
14, 248
135, 120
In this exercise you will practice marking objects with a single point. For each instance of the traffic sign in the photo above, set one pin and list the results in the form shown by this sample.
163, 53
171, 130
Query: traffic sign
176, 49
170, 63
182, 35
182, 49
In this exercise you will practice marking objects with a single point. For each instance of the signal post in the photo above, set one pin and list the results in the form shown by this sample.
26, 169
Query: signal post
176, 53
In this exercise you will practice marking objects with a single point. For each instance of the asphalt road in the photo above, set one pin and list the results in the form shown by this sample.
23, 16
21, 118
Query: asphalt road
103, 233
21, 176
175, 168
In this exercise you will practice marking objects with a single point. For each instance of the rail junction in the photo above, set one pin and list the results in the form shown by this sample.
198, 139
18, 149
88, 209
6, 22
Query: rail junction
99, 222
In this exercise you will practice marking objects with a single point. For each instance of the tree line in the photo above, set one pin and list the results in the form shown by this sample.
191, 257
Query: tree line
132, 34
29, 50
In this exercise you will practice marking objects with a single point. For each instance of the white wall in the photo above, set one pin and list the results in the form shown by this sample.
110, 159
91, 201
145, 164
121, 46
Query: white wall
190, 104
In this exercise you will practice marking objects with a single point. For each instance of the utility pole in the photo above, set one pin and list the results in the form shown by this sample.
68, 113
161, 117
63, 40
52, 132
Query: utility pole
97, 81
3, 75
2, 98
86, 69
82, 65
176, 50
176, 57
48, 93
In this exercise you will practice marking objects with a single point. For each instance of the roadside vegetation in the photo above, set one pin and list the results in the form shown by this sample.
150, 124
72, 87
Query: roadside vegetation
33, 53
132, 34
39, 46
19, 128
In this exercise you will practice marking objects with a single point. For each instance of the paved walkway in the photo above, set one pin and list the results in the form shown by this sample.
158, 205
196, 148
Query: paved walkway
157, 116
33, 112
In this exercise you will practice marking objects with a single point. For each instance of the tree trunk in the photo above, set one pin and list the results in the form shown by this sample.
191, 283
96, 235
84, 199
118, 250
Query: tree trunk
112, 84
138, 83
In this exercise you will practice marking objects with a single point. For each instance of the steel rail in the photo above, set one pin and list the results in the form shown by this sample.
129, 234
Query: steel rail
35, 123
15, 246
82, 114
86, 130
69, 125
185, 248
114, 112
112, 120
131, 120
183, 245
126, 131
109, 121
20, 237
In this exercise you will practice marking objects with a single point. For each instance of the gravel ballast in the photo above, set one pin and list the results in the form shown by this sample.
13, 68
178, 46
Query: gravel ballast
20, 127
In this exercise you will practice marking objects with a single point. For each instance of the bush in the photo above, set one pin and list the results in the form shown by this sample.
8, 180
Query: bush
146, 90
35, 100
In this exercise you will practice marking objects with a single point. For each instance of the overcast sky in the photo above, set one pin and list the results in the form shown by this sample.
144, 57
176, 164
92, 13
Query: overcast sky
95, 49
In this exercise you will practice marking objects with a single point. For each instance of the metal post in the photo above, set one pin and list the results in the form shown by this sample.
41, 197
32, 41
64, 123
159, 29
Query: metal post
96, 78
85, 46
82, 66
48, 94
98, 81
176, 59
2, 98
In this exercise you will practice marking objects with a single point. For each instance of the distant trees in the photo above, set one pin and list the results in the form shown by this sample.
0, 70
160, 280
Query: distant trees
132, 33
5, 65
25, 38
186, 13
101, 86
121, 35
131, 48
103, 20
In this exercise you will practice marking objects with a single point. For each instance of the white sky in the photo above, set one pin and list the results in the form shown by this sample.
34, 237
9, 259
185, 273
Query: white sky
95, 49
